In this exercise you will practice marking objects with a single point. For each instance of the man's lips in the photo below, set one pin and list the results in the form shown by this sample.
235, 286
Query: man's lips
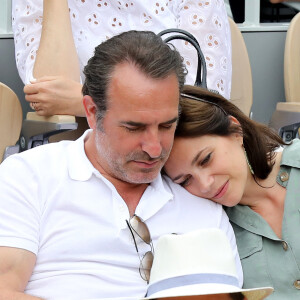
222, 190
147, 164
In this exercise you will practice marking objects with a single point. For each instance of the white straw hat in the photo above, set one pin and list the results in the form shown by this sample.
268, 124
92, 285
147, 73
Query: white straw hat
196, 263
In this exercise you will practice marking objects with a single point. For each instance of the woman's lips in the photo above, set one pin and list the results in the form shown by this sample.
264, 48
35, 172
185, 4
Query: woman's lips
222, 190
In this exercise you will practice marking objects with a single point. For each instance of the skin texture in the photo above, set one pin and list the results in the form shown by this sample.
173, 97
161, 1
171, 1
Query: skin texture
211, 167
137, 132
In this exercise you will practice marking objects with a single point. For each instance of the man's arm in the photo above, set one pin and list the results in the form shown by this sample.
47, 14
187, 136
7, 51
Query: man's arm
16, 266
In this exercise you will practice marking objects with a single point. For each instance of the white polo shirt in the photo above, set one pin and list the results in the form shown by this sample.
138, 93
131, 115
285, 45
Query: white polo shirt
55, 204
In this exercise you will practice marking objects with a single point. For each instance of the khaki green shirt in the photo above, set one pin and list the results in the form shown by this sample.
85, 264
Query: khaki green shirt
266, 259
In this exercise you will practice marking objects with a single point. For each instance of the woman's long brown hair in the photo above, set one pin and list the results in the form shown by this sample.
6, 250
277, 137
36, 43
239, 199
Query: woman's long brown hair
199, 118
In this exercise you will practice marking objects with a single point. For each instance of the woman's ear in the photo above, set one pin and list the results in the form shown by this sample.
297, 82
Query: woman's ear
238, 136
234, 120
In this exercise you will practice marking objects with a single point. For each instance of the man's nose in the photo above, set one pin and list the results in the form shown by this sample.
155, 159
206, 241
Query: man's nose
152, 144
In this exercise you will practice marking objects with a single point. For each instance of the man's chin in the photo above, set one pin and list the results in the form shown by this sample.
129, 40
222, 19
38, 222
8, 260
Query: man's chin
143, 177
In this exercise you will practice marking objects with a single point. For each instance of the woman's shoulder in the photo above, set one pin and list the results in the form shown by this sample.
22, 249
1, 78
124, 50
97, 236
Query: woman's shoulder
291, 154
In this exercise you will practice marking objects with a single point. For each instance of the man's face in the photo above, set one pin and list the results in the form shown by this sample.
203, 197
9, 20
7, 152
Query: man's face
137, 131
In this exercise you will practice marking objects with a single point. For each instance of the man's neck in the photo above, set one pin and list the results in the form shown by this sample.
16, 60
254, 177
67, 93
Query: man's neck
131, 193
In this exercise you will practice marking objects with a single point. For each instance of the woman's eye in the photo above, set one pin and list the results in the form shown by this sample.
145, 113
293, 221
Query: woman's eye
206, 160
185, 182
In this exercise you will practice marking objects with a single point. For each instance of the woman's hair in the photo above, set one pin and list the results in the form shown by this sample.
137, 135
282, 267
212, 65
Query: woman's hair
211, 116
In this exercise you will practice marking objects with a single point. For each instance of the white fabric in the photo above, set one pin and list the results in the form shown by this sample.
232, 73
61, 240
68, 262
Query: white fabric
93, 21
55, 204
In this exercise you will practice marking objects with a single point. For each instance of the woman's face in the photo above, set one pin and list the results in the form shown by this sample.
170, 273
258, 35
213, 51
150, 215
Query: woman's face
210, 166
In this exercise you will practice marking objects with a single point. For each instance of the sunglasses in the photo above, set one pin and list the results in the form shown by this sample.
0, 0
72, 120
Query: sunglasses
139, 228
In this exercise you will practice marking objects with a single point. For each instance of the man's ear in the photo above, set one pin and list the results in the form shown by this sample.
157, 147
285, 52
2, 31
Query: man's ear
90, 111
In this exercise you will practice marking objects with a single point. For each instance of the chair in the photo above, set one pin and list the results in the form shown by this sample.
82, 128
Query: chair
10, 118
241, 86
288, 113
17, 135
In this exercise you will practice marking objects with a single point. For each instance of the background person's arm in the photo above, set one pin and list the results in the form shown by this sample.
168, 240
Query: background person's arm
16, 267
57, 88
57, 54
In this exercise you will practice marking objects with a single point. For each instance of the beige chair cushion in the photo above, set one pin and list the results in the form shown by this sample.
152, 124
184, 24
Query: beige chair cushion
292, 61
11, 117
288, 106
241, 86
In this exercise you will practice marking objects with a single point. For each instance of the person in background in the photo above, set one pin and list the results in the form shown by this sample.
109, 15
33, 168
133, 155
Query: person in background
221, 154
55, 38
77, 217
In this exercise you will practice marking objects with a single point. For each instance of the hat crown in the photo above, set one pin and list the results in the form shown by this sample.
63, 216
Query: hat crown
199, 252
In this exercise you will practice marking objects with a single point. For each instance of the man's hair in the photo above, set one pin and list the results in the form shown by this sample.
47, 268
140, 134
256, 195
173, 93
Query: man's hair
144, 49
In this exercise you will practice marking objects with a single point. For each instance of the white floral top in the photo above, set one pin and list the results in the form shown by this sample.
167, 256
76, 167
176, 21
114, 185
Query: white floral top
93, 21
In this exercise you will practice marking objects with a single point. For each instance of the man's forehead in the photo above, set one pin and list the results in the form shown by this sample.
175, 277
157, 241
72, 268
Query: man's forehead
130, 89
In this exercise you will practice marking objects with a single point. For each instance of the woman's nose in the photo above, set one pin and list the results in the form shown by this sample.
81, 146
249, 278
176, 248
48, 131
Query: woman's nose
205, 182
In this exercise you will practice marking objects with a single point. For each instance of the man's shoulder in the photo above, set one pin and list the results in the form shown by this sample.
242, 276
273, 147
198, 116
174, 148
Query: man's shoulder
182, 195
40, 156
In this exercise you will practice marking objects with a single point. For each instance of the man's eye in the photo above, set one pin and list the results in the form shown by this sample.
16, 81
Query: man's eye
132, 129
206, 160
168, 126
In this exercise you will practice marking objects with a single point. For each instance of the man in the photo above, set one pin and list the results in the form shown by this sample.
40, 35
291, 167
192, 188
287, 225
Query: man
67, 209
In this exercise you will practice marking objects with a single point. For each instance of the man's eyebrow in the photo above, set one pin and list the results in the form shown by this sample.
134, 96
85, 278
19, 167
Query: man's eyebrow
132, 123
171, 121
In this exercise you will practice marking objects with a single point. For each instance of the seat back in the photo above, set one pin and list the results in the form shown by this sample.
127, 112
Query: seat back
241, 85
292, 61
11, 117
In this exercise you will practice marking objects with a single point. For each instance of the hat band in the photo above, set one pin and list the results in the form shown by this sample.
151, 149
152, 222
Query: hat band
185, 280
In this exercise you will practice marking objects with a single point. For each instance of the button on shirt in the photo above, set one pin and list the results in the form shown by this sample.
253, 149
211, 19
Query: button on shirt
55, 204
266, 259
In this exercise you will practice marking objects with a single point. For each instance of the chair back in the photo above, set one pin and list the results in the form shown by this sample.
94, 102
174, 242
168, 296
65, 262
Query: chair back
292, 61
11, 117
241, 84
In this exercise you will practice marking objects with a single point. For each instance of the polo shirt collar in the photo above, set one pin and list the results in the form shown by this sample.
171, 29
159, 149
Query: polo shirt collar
80, 168
290, 155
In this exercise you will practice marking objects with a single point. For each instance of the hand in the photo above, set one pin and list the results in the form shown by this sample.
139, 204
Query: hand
55, 95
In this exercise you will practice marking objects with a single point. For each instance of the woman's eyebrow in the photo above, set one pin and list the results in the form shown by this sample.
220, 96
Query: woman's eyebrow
177, 177
197, 157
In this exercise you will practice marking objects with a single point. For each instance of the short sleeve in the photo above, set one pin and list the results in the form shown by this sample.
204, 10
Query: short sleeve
19, 208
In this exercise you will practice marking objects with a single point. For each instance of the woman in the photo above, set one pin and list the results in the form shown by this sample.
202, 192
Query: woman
222, 155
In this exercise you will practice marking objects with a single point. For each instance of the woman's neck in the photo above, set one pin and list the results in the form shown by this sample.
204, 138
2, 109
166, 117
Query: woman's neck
266, 197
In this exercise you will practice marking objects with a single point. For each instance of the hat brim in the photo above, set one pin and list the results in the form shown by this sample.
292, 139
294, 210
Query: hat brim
210, 289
